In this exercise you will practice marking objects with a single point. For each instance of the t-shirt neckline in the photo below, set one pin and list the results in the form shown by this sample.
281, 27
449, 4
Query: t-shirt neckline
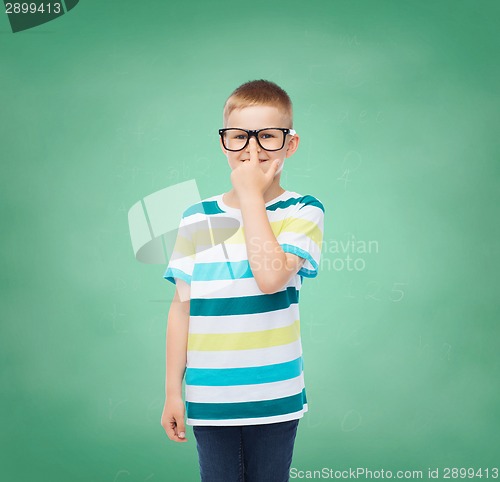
227, 208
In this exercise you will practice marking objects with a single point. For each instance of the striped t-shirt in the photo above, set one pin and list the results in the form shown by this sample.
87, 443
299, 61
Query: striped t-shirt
244, 355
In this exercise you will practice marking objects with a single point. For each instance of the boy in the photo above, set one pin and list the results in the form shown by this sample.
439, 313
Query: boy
233, 326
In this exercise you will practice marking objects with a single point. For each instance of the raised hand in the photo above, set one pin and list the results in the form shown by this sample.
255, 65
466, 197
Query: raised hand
254, 177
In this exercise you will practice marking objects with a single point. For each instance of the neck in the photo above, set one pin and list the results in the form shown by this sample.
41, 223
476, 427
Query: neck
272, 192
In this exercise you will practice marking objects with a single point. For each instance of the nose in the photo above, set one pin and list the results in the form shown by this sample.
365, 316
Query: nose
253, 137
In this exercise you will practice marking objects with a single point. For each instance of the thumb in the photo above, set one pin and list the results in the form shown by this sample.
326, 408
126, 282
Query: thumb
181, 429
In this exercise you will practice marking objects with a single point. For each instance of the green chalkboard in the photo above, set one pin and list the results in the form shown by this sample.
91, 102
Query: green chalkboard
396, 105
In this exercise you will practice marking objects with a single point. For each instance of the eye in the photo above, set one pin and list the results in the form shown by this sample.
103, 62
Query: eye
237, 135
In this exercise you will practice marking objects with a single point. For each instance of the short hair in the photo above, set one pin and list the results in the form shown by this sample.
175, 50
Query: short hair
259, 92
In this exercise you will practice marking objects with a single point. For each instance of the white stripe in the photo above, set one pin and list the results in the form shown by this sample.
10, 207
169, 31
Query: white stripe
273, 214
250, 421
230, 288
244, 358
194, 218
245, 393
244, 323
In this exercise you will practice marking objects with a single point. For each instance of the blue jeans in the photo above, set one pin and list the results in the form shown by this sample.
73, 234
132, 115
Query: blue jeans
246, 453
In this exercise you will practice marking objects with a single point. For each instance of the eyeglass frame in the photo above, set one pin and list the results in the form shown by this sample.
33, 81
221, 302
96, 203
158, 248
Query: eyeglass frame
255, 133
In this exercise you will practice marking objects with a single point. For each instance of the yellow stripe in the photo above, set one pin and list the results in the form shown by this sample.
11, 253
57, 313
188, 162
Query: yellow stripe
239, 236
293, 225
244, 340
303, 226
183, 247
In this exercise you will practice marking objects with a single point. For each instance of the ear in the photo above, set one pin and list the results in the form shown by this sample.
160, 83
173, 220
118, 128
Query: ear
222, 147
293, 144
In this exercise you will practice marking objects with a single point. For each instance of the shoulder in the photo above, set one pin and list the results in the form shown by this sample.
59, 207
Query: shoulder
307, 201
205, 207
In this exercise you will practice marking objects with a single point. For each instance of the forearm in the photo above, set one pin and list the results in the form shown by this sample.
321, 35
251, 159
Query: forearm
176, 350
266, 257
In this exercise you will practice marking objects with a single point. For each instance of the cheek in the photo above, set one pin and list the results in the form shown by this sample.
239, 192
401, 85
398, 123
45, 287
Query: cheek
281, 167
232, 163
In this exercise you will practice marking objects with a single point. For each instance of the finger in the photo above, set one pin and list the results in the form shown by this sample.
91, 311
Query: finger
173, 432
254, 155
181, 430
170, 429
174, 437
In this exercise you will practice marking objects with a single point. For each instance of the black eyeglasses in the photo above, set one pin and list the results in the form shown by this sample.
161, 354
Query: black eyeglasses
270, 139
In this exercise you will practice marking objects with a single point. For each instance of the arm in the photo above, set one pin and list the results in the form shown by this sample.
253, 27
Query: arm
272, 268
176, 351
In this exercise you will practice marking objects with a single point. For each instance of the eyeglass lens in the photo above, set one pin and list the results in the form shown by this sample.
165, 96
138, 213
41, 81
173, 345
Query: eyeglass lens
269, 139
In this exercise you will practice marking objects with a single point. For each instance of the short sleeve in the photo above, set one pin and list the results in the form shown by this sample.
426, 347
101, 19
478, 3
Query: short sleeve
182, 260
302, 234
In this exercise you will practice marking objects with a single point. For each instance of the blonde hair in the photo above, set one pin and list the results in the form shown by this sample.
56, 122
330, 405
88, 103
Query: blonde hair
259, 92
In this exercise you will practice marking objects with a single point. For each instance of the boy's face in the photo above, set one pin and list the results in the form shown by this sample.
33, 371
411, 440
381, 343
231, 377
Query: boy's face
259, 117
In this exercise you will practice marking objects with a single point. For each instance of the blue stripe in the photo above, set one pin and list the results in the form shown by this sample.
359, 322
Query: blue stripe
261, 408
216, 377
283, 204
222, 270
212, 207
311, 201
204, 207
288, 248
304, 200
172, 273
244, 305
